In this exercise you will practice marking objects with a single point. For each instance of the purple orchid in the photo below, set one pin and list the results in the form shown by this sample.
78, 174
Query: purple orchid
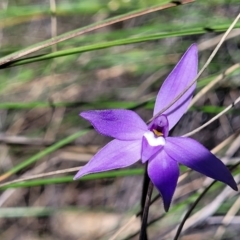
135, 140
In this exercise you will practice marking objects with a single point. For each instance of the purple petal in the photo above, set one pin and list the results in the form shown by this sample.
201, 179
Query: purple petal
163, 172
116, 154
117, 123
151, 145
194, 155
180, 77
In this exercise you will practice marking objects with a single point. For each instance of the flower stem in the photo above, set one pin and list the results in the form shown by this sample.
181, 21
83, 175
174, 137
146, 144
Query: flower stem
145, 202
146, 181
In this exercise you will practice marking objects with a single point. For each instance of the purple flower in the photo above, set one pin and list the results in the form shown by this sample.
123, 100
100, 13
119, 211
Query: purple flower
135, 140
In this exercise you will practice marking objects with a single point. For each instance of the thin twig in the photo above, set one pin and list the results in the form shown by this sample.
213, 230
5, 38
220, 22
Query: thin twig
88, 29
209, 209
213, 119
234, 146
191, 209
74, 169
224, 143
201, 71
211, 42
53, 23
227, 219
138, 92
179, 230
213, 83
128, 223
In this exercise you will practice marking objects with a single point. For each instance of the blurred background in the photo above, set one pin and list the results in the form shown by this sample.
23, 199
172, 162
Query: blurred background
119, 66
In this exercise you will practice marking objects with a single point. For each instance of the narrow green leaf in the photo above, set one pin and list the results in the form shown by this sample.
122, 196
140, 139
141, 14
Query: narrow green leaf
93, 47
66, 179
87, 29
44, 153
102, 104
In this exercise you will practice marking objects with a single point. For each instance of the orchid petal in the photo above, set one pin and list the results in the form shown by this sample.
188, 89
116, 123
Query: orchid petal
194, 155
181, 76
151, 145
163, 172
117, 123
116, 154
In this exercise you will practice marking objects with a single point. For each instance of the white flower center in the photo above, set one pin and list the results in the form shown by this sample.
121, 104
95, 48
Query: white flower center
153, 140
